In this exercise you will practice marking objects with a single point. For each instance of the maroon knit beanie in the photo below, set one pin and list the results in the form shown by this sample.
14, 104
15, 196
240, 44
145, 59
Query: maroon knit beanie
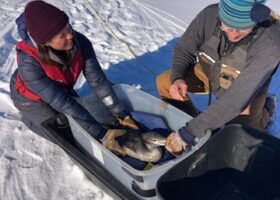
43, 21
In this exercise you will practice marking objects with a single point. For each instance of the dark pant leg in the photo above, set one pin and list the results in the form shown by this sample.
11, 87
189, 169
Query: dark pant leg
34, 113
258, 116
38, 130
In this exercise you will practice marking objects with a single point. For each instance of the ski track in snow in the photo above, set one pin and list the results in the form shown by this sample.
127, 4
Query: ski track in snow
33, 168
141, 31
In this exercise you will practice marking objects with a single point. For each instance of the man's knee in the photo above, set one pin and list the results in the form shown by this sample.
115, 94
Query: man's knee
163, 83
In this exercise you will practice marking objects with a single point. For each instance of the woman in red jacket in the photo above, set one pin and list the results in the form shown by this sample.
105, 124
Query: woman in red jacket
50, 58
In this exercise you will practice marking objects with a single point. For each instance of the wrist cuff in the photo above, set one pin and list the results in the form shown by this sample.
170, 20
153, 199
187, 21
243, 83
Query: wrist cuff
121, 115
186, 136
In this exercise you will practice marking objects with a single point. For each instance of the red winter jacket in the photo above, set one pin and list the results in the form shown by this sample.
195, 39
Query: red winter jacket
54, 72
37, 81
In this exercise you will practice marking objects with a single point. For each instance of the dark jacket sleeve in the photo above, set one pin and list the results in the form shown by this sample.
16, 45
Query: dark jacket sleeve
200, 29
97, 79
51, 93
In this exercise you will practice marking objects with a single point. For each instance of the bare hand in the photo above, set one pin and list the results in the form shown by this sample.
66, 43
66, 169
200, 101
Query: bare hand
178, 90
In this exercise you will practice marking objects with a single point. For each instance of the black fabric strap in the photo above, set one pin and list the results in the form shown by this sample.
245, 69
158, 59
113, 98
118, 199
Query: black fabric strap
186, 136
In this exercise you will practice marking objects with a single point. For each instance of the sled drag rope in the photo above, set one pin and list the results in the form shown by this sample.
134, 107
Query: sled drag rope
155, 11
120, 39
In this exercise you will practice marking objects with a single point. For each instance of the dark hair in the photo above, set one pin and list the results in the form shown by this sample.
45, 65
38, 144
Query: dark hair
44, 55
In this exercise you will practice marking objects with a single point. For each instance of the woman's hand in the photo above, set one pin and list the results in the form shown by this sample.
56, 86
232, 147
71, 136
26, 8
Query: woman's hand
128, 122
110, 142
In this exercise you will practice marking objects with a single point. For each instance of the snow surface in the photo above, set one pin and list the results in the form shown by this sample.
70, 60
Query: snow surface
133, 41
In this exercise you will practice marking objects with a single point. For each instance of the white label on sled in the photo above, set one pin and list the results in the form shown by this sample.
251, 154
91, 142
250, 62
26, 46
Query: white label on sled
97, 152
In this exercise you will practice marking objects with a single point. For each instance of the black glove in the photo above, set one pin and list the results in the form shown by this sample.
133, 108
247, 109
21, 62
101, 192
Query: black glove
186, 136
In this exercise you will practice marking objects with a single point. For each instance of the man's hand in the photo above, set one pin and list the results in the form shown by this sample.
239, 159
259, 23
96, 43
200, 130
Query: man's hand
128, 122
110, 142
174, 143
178, 90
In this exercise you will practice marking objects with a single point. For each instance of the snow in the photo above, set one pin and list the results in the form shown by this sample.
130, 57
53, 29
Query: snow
133, 41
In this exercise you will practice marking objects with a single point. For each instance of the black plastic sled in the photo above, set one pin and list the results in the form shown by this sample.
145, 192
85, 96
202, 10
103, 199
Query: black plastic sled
91, 168
237, 163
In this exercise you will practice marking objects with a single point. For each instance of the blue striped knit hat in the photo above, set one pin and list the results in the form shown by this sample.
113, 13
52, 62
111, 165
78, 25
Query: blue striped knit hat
237, 13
